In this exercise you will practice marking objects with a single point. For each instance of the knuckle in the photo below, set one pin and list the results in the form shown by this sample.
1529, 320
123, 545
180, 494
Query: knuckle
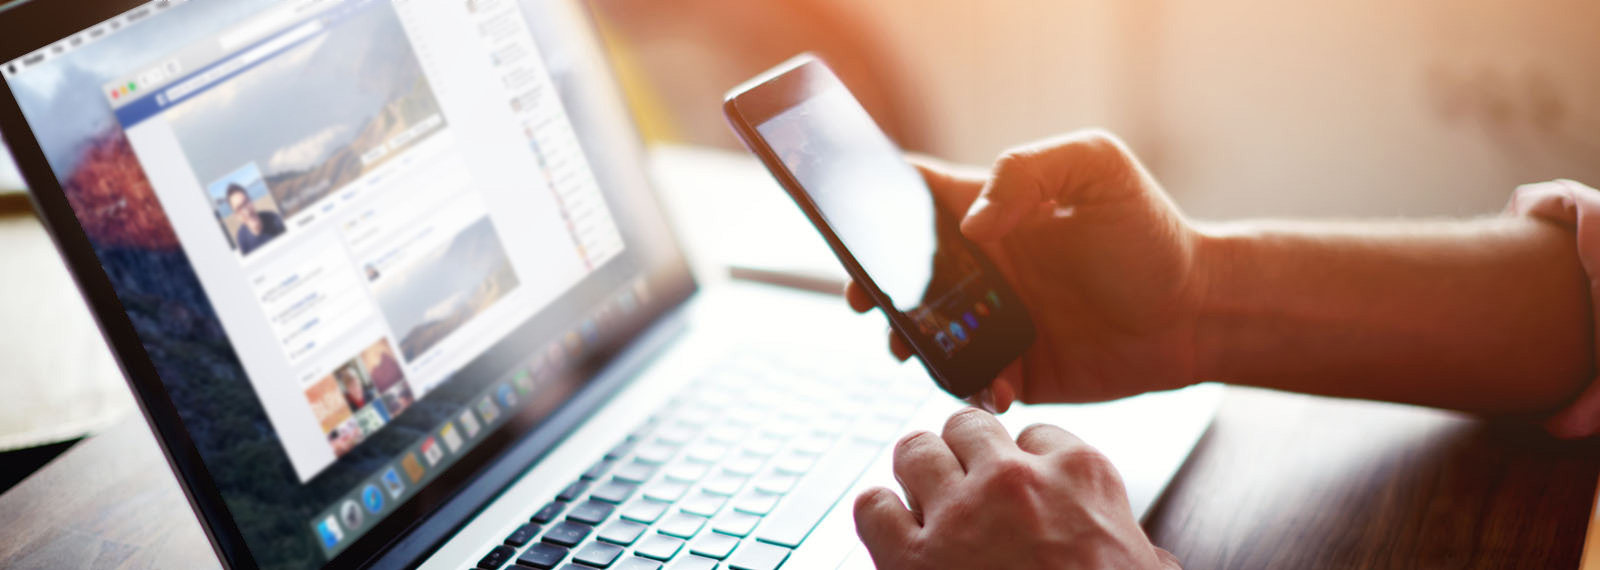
963, 418
1013, 476
912, 443
1036, 431
1099, 136
1096, 146
1087, 463
1014, 164
870, 501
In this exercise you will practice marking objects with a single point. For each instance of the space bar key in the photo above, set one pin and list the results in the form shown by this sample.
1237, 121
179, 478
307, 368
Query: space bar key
817, 493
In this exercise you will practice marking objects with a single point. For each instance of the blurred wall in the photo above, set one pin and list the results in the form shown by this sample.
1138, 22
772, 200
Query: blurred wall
1259, 107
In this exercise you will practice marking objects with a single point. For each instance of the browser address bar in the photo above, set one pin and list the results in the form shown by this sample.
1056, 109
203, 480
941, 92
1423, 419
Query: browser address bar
243, 60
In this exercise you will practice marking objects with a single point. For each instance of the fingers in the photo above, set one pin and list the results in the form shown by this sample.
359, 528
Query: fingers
953, 187
1027, 179
884, 525
899, 346
858, 298
1006, 387
1044, 439
975, 436
925, 466
1167, 560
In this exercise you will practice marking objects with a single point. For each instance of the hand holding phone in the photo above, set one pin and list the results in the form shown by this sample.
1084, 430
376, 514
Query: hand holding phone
939, 291
1114, 278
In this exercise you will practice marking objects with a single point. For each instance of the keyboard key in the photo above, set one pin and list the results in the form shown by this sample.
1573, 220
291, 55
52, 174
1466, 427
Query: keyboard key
744, 464
783, 428
725, 484
700, 413
776, 483
746, 415
614, 491
735, 523
650, 424
764, 445
591, 512
598, 554
620, 450
794, 463
707, 452
681, 525
549, 513
659, 547
714, 545
497, 557
542, 556
754, 555
523, 535
634, 472
693, 563
816, 495
756, 502
567, 534
727, 433
655, 453
645, 511
621, 532
637, 563
668, 491
573, 491
687, 472
677, 433
703, 504
598, 470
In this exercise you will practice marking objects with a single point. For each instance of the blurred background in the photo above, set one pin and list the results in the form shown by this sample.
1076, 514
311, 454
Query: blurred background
1241, 107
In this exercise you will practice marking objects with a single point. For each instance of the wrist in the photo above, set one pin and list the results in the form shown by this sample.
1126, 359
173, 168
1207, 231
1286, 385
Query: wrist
1222, 255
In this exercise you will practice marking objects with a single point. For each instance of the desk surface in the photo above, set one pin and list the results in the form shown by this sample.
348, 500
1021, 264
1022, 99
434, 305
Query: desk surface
1280, 481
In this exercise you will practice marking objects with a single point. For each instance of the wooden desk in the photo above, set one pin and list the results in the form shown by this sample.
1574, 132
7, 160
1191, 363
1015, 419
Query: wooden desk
1290, 481
1280, 481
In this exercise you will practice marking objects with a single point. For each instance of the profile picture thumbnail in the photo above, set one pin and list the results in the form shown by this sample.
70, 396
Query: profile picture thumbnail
249, 214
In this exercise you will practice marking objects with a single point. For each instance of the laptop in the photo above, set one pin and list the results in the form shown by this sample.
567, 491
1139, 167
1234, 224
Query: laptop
392, 287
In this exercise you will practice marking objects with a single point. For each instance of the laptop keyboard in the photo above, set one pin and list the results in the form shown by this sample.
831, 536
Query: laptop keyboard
733, 473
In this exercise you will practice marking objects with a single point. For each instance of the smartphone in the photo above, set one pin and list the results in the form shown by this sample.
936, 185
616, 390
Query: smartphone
939, 291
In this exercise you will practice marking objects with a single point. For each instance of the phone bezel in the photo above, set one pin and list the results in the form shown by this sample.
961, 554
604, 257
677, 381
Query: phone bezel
967, 371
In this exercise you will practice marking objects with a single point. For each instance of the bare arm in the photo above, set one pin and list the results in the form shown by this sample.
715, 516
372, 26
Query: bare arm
1489, 315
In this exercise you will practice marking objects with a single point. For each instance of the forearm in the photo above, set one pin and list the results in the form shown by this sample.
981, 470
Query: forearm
1490, 315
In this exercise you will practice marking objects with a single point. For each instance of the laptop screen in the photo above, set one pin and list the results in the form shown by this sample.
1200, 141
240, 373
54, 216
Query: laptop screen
364, 242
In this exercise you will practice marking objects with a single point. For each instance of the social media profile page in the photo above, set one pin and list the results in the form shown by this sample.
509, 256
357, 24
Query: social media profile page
367, 223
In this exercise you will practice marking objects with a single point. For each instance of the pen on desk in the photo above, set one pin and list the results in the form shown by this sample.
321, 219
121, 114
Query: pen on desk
800, 279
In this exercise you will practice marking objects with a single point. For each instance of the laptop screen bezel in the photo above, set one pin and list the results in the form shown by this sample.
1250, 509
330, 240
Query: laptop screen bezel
29, 25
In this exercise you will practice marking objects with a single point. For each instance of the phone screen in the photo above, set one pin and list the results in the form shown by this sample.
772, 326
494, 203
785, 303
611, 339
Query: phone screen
882, 211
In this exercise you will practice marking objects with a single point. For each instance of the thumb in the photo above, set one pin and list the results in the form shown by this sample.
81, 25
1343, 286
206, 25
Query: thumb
953, 188
1014, 190
1051, 173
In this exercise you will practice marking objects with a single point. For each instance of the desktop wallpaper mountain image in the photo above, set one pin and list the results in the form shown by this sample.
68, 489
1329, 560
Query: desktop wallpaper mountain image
445, 289
315, 117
